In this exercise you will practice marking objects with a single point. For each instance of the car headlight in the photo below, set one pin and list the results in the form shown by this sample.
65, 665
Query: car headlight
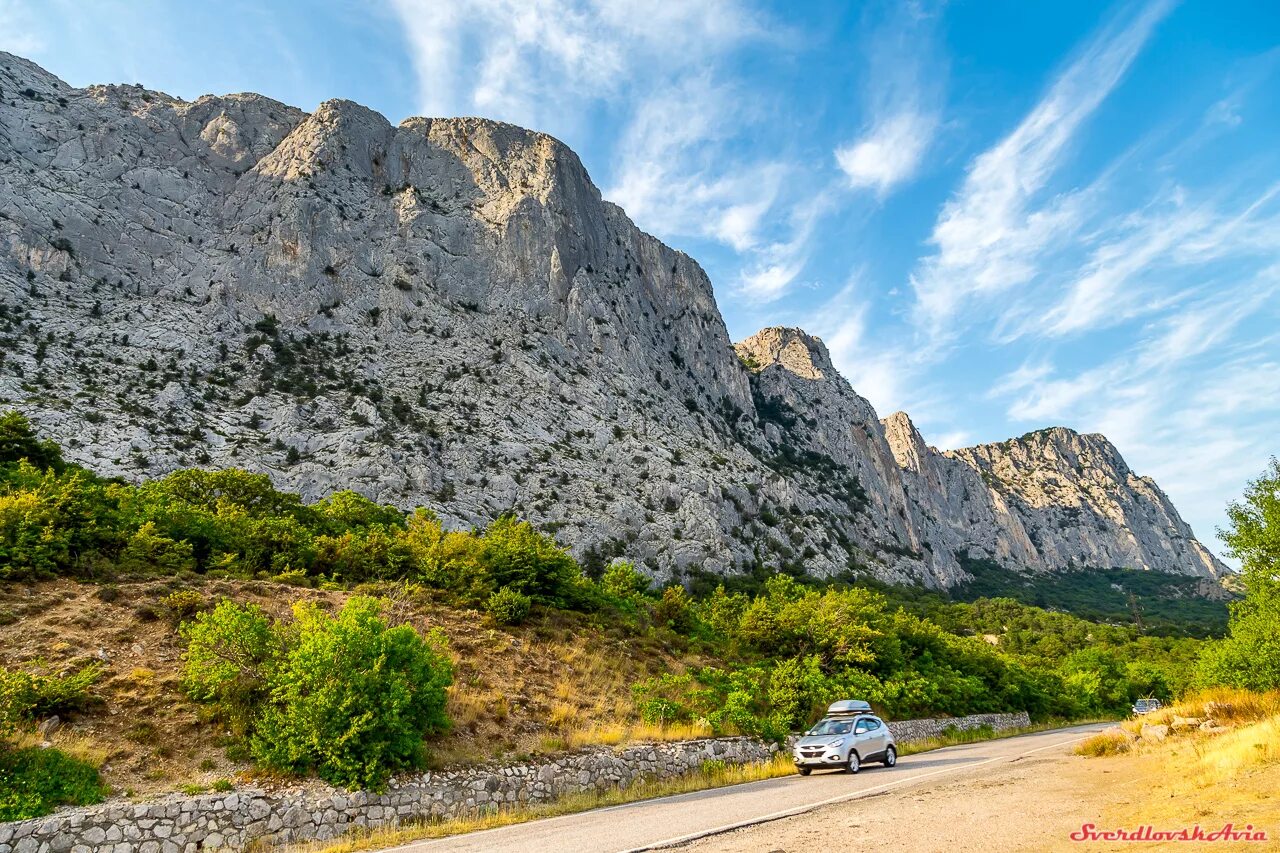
836, 743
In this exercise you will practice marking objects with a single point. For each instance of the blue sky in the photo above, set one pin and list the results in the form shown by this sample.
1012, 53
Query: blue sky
999, 215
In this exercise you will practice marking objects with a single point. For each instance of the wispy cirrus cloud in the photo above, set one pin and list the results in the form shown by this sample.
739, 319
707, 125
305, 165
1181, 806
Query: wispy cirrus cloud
1192, 402
528, 61
903, 95
990, 235
661, 73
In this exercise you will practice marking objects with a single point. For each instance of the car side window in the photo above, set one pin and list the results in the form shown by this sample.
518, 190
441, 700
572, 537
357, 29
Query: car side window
872, 725
863, 725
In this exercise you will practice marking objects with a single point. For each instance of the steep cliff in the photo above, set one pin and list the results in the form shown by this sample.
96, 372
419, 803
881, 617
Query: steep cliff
446, 312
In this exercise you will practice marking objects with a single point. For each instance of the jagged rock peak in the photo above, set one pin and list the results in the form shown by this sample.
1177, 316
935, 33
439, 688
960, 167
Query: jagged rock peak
794, 350
904, 440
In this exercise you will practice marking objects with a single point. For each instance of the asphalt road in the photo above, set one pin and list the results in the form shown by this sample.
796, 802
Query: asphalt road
671, 821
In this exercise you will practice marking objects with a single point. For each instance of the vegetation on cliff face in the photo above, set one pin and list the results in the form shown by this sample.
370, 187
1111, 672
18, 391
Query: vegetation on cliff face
761, 661
1160, 602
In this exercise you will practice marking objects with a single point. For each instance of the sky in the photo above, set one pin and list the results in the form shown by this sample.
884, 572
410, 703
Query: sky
999, 215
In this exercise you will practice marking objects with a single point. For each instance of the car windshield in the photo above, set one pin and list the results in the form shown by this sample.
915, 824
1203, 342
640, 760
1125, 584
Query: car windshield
832, 727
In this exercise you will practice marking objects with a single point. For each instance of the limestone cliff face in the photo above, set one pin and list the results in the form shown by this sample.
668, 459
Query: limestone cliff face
1050, 500
446, 312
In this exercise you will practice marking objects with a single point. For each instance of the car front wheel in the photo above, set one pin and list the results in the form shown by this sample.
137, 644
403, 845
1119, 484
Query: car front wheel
854, 765
890, 757
804, 771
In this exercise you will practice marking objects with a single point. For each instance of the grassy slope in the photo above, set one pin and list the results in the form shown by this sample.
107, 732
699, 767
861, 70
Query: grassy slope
562, 681
1197, 777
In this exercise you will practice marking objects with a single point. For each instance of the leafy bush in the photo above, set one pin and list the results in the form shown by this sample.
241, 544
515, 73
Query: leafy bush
675, 610
346, 697
150, 552
182, 604
622, 581
26, 695
508, 607
35, 781
230, 651
18, 441
514, 554
352, 698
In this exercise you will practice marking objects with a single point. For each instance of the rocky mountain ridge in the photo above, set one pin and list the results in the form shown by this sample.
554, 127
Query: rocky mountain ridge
446, 312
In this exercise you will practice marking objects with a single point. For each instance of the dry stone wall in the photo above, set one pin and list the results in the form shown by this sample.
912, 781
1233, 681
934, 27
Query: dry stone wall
231, 821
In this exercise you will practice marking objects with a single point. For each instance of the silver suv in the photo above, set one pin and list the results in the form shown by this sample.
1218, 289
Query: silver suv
846, 738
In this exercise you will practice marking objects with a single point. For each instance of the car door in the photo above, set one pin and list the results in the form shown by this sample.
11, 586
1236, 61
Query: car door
864, 738
880, 732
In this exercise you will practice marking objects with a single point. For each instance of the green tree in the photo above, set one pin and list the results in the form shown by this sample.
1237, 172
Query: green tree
149, 551
230, 653
516, 555
347, 510
622, 581
18, 441
351, 698
1250, 656
508, 607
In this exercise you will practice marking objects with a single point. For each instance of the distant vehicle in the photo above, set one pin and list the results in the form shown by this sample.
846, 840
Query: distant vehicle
1146, 706
845, 739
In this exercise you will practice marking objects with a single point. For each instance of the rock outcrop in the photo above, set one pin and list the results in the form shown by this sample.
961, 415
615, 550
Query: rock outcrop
446, 312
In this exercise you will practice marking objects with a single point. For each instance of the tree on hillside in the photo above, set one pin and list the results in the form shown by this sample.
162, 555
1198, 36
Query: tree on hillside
1250, 656
19, 441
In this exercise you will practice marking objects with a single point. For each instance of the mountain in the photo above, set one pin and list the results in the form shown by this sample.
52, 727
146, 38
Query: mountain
447, 313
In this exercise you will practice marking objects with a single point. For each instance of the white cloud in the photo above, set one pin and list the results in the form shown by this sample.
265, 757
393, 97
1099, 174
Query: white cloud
662, 180
1192, 403
953, 440
903, 96
526, 61
889, 153
893, 376
988, 237
775, 266
660, 72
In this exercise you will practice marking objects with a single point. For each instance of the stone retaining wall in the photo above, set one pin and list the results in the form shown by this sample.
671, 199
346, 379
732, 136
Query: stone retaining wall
908, 730
182, 824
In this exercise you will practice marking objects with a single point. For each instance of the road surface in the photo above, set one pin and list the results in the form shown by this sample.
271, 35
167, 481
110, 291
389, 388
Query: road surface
673, 821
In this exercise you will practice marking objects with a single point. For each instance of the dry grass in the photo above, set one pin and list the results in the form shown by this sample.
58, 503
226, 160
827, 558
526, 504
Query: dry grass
561, 682
714, 775
72, 743
1105, 743
1224, 705
1199, 777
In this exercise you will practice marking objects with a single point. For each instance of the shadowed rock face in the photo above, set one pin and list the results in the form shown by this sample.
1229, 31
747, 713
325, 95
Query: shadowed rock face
447, 313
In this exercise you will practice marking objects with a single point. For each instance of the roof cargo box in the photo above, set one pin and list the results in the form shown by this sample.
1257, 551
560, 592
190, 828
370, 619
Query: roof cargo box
848, 708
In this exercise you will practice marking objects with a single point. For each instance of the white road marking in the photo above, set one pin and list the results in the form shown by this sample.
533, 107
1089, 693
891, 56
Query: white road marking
684, 839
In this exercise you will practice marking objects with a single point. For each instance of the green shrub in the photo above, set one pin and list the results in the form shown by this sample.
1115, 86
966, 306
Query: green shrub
147, 551
229, 652
18, 441
508, 607
514, 554
674, 610
182, 604
27, 695
35, 781
351, 698
622, 581
292, 577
